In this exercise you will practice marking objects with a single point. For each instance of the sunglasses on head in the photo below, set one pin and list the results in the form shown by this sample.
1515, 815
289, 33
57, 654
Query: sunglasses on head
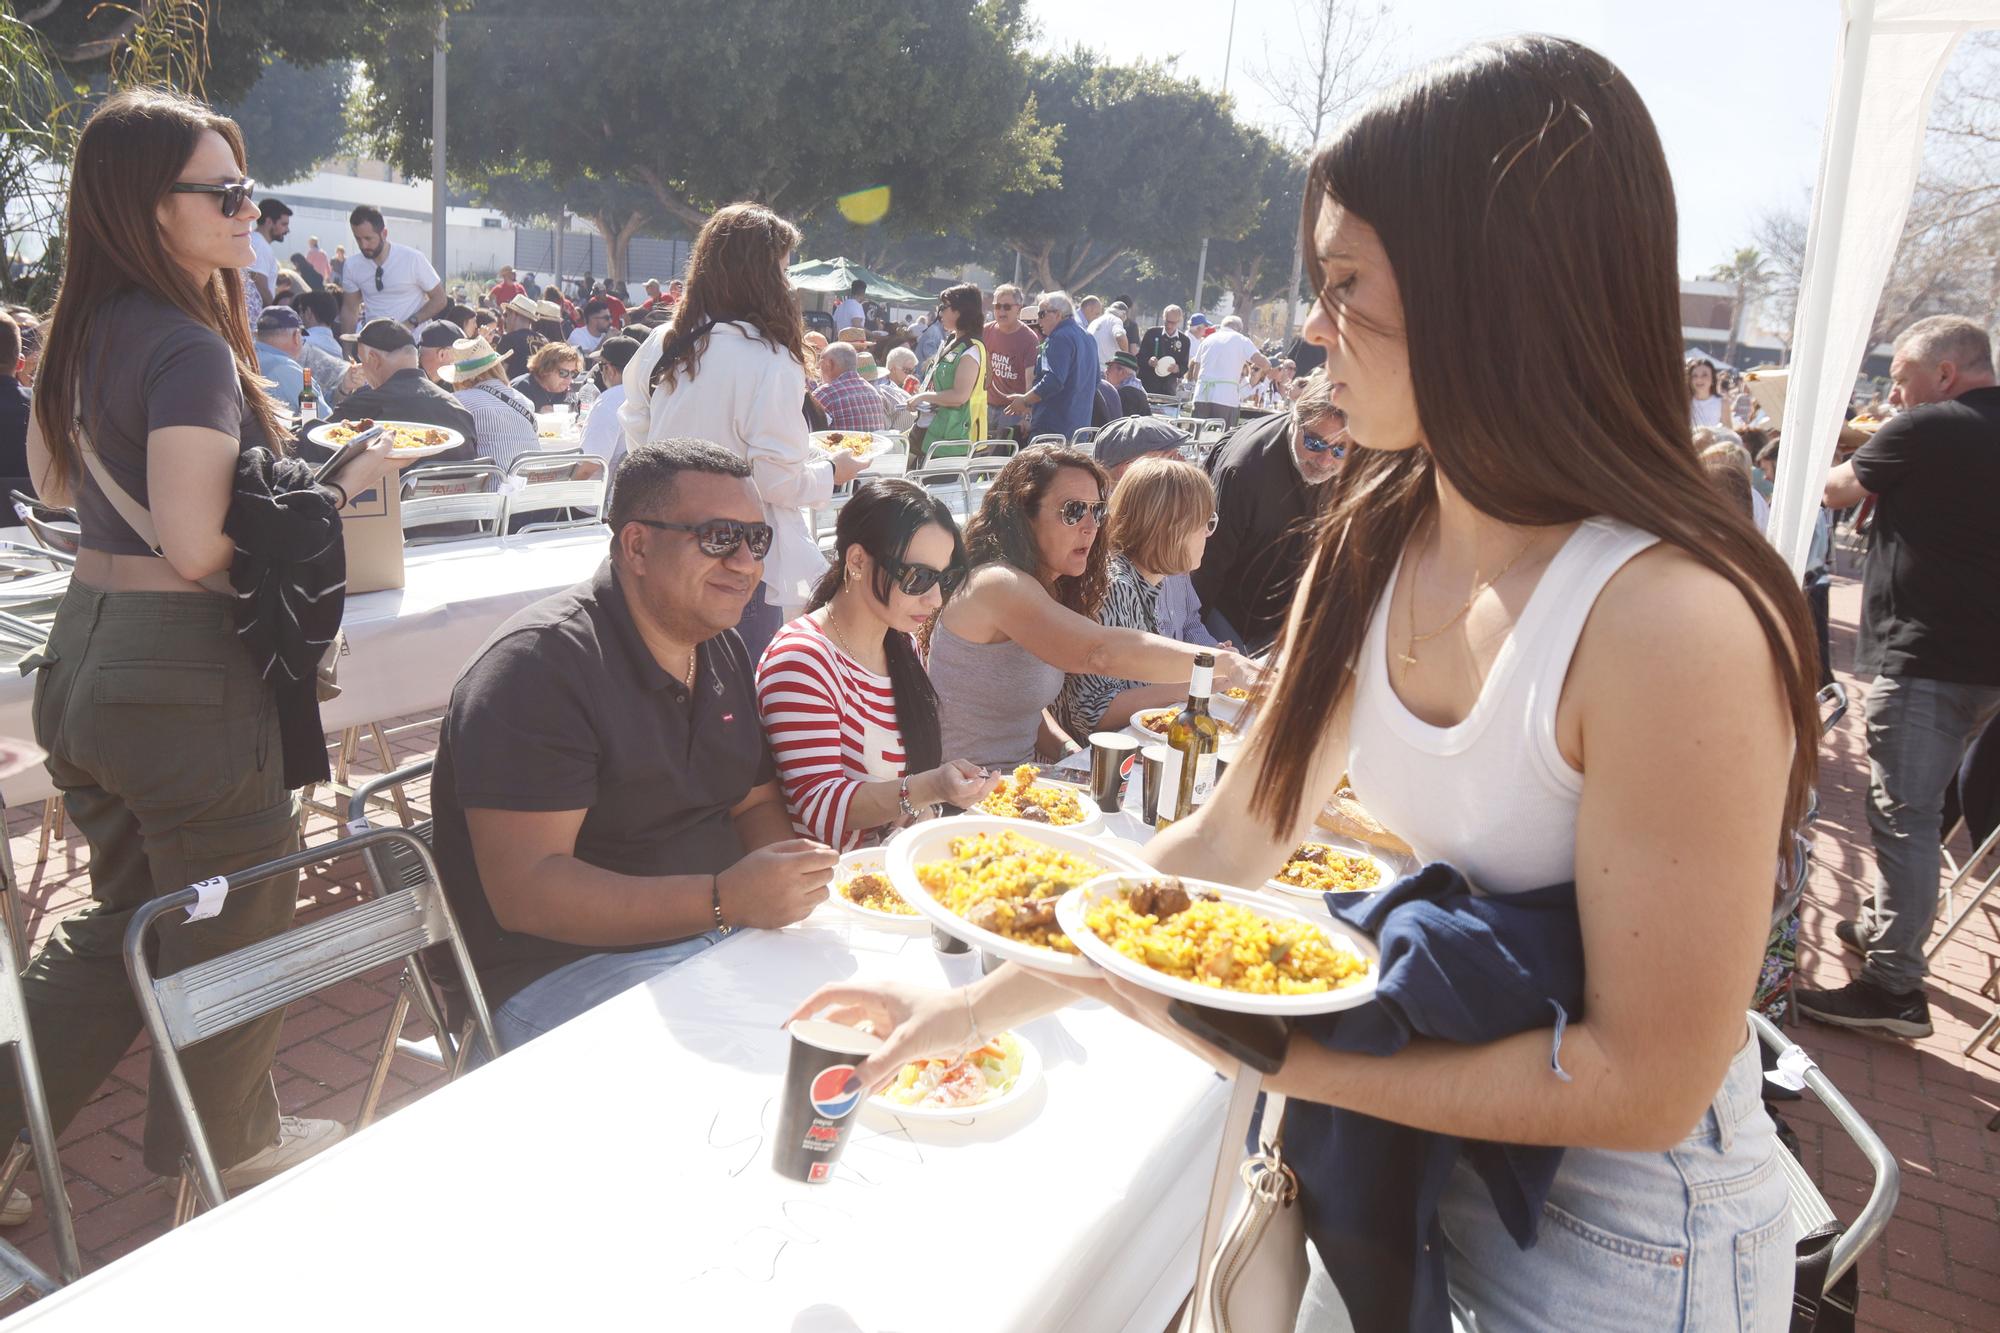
234, 194
719, 537
1316, 444
916, 580
1072, 512
1214, 522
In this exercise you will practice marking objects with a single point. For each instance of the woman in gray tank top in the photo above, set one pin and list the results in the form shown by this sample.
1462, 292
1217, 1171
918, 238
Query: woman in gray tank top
1000, 649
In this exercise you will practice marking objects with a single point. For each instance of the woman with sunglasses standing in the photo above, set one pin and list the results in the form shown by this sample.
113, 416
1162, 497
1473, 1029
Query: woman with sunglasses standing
731, 370
1028, 616
851, 717
162, 735
1162, 514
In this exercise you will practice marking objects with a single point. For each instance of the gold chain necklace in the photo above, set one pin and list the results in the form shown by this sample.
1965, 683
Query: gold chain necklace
1410, 657
833, 624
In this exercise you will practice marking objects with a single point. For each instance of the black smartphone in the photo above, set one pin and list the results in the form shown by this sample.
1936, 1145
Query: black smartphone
345, 454
1258, 1040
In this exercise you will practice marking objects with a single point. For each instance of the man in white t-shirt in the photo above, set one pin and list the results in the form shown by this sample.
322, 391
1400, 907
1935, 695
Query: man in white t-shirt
274, 223
596, 326
851, 313
1109, 330
1220, 360
387, 281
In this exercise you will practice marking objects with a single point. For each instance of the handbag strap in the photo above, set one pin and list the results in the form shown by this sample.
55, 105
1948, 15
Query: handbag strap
136, 516
1228, 1165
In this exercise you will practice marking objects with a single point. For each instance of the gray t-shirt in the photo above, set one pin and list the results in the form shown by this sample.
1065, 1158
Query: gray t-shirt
147, 366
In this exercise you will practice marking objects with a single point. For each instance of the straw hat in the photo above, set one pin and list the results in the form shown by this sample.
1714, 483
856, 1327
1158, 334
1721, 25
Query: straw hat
527, 307
548, 310
865, 367
468, 358
856, 336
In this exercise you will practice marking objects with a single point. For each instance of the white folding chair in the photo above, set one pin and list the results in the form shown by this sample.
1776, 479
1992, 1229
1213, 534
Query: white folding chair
429, 981
979, 480
1084, 438
16, 1269
230, 990
1808, 1206
568, 486
948, 484
452, 518
1051, 438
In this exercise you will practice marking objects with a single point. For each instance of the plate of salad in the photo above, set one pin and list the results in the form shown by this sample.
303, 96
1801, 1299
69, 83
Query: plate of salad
977, 1083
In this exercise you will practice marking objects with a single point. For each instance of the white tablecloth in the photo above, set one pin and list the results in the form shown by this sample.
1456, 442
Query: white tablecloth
616, 1174
405, 645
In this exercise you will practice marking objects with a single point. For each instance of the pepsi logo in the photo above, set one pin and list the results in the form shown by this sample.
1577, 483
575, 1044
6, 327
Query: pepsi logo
828, 1093
1131, 761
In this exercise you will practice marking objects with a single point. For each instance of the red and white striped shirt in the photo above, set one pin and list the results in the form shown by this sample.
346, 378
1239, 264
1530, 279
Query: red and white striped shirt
832, 726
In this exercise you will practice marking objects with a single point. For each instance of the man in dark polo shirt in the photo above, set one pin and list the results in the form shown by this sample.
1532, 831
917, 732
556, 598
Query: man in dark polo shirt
397, 389
1930, 646
1270, 479
606, 806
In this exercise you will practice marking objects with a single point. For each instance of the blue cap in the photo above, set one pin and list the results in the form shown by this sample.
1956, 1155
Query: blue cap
277, 318
1198, 322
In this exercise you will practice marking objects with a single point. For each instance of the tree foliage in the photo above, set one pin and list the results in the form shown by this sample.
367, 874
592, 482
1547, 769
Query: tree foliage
1150, 162
293, 119
1257, 266
717, 100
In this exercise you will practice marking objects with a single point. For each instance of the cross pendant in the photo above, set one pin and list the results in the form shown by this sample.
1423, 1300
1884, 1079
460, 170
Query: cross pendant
1408, 660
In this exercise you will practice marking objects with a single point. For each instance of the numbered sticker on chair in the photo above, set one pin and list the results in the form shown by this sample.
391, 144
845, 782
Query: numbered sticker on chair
208, 898
356, 827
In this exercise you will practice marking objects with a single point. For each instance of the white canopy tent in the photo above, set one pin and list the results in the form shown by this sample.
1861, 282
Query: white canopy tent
1891, 54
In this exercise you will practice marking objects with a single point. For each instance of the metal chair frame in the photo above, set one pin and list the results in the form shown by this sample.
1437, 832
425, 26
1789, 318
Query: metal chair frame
486, 508
944, 479
1048, 438
447, 1049
1808, 1206
1085, 435
16, 1269
247, 983
946, 449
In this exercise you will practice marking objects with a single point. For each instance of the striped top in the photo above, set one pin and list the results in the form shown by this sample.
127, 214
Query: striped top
1130, 602
832, 726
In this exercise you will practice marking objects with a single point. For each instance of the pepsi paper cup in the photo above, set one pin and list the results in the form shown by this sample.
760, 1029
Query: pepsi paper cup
817, 1113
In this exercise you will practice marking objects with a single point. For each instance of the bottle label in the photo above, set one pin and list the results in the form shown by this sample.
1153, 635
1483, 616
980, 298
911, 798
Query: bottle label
1204, 778
1202, 683
1170, 785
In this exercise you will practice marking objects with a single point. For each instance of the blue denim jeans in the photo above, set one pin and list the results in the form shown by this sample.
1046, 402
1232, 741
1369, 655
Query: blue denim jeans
1695, 1240
550, 1001
1918, 733
1698, 1238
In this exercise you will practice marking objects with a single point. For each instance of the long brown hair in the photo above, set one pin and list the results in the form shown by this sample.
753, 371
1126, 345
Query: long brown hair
1003, 531
1521, 194
736, 272
130, 152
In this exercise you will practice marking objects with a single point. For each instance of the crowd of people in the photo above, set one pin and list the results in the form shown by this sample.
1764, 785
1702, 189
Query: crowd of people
1448, 584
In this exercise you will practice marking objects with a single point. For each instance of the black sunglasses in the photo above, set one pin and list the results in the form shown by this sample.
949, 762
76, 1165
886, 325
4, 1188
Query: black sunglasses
719, 537
1072, 512
916, 580
1214, 522
235, 194
1316, 445
378, 277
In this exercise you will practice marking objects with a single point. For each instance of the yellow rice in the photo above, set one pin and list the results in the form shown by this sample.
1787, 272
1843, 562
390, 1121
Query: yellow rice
872, 889
1339, 873
1007, 865
1190, 945
1021, 790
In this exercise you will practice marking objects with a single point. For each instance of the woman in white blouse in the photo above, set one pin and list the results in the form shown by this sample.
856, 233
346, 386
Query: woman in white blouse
730, 370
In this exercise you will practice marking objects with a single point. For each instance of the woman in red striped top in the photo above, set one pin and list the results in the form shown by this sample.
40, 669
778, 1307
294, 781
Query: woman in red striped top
850, 713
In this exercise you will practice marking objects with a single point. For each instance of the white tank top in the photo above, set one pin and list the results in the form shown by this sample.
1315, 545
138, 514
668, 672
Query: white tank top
1494, 795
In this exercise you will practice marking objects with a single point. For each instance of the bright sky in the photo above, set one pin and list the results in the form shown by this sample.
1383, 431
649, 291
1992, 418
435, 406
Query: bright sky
1739, 90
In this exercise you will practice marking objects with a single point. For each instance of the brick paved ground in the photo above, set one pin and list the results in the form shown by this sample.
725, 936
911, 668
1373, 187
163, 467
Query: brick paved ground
1938, 1268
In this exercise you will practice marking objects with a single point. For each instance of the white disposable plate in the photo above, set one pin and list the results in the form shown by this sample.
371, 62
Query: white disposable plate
856, 862
1222, 708
1031, 1074
1093, 818
452, 440
929, 841
1071, 910
878, 443
1386, 874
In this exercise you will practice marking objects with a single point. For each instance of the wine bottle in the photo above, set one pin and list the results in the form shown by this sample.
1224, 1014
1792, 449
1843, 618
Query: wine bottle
1193, 737
308, 401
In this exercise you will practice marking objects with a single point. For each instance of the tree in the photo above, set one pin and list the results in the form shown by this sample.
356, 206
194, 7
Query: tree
1252, 269
736, 101
1150, 161
293, 119
618, 209
1745, 272
1781, 238
1341, 44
